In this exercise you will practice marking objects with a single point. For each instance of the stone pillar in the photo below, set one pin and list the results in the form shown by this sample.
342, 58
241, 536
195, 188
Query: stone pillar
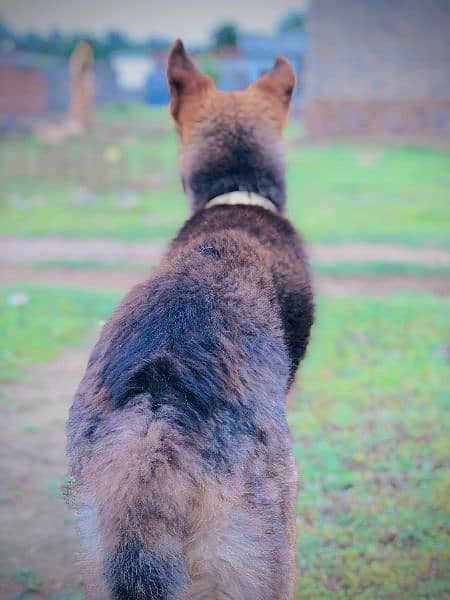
82, 86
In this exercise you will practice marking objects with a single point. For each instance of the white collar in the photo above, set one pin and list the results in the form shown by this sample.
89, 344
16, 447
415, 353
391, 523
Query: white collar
248, 198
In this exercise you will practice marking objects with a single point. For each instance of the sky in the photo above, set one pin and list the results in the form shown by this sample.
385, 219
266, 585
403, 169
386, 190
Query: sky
193, 20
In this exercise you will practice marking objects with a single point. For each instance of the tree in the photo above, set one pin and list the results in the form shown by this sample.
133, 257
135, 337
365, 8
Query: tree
116, 40
225, 36
209, 67
293, 21
5, 32
156, 43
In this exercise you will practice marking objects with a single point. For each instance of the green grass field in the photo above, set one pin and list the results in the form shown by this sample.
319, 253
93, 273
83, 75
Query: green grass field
398, 194
38, 323
370, 411
370, 427
126, 186
369, 421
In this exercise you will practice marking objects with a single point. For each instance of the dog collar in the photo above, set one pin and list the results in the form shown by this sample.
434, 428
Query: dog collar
245, 198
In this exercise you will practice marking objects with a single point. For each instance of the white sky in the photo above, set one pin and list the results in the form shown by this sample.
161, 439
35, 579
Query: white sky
192, 21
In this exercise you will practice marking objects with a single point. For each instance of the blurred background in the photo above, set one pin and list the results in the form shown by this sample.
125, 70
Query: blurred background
90, 196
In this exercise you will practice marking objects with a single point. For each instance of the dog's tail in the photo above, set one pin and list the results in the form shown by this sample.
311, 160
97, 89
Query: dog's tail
135, 494
134, 572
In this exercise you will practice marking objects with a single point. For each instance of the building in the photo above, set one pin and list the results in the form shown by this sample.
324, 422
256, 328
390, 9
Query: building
233, 68
33, 85
378, 67
156, 88
132, 71
255, 55
24, 87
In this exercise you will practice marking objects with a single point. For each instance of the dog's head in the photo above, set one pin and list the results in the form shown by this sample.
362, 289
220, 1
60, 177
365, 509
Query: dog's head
229, 141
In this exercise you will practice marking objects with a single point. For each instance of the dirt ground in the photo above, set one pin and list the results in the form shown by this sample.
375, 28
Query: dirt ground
124, 279
14, 252
20, 250
37, 527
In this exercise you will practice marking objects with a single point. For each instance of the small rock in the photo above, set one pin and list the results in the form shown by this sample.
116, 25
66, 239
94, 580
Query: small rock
17, 299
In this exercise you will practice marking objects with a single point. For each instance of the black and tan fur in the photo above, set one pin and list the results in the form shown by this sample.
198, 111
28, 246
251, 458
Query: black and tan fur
185, 483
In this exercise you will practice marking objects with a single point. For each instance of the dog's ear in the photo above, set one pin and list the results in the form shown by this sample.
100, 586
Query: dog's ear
277, 84
185, 81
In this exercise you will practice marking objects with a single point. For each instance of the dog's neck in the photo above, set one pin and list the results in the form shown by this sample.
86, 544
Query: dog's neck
203, 189
244, 166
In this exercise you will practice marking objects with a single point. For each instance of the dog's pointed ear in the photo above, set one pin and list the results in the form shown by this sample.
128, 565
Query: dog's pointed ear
184, 79
278, 83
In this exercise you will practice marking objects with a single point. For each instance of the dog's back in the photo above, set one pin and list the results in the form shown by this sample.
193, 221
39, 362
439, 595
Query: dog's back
185, 483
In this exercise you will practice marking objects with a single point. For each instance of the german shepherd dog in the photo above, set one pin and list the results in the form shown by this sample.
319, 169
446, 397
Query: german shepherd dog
184, 478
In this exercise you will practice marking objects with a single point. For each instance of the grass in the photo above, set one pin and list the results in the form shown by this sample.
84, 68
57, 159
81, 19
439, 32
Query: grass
124, 184
31, 429
43, 322
370, 429
369, 416
92, 187
369, 421
29, 578
134, 114
81, 264
362, 193
32, 584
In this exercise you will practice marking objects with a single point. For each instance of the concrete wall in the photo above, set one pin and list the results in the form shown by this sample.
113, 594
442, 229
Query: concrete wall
378, 66
23, 90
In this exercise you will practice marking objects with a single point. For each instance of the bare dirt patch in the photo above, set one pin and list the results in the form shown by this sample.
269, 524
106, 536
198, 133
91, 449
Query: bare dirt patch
124, 279
37, 527
22, 250
54, 248
99, 279
16, 252
378, 252
373, 285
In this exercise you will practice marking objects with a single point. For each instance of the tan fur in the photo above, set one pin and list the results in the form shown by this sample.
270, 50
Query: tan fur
81, 113
199, 477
